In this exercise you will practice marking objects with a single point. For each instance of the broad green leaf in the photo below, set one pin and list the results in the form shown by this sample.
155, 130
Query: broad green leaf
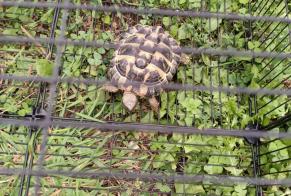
163, 187
194, 4
166, 21
255, 71
10, 32
130, 118
101, 50
47, 17
148, 118
245, 120
97, 56
253, 45
212, 169
91, 61
44, 67
191, 168
164, 2
174, 30
84, 116
276, 145
177, 137
189, 188
212, 24
182, 33
107, 19
206, 60
254, 84
243, 1
22, 112
240, 187
189, 120
191, 105
234, 171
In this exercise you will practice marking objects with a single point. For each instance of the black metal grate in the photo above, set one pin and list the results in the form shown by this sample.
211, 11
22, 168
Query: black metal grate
223, 125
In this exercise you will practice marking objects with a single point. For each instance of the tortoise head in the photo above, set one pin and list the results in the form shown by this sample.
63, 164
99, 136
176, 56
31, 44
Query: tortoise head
129, 100
185, 58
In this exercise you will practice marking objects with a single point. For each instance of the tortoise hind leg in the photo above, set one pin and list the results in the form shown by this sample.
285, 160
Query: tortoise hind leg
154, 103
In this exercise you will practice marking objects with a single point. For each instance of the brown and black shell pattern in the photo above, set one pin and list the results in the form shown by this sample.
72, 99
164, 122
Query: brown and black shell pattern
148, 57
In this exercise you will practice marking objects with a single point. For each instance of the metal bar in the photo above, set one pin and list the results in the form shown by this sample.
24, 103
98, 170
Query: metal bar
28, 156
259, 190
157, 177
188, 50
253, 7
52, 95
268, 142
168, 87
280, 83
271, 23
264, 5
148, 128
278, 122
269, 7
279, 149
285, 47
273, 99
268, 36
254, 142
124, 9
36, 106
278, 44
279, 161
285, 102
263, 77
287, 16
278, 172
30, 163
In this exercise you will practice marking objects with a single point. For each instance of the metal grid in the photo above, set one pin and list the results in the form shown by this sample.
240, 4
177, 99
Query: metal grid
118, 151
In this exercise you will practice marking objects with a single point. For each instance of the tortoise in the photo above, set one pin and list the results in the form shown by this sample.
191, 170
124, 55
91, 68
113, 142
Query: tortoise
147, 56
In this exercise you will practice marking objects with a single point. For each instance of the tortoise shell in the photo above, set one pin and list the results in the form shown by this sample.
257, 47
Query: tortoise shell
146, 55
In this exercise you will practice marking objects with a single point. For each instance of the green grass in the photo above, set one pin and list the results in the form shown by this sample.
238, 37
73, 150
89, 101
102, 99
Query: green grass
92, 150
